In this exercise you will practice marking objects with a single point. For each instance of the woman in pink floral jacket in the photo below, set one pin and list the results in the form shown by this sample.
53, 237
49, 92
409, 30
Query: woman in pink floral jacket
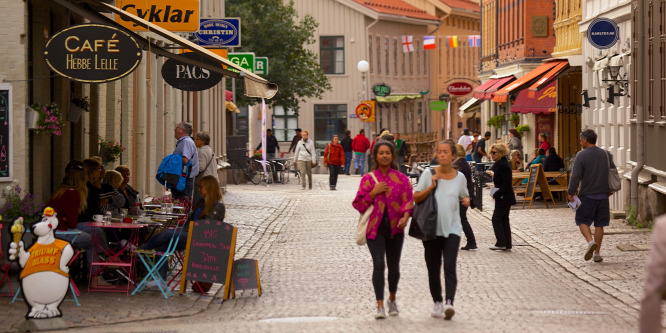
392, 202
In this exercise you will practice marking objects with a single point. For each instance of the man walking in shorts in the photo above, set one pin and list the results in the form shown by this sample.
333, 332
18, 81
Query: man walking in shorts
590, 171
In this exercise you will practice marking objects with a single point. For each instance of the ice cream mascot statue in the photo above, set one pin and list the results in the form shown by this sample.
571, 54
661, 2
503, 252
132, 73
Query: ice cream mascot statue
45, 275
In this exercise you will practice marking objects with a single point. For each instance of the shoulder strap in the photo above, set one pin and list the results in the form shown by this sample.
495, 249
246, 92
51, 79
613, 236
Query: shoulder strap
372, 174
306, 149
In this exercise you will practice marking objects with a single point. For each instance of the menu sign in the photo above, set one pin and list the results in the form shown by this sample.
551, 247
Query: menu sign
188, 77
209, 254
246, 275
5, 131
92, 53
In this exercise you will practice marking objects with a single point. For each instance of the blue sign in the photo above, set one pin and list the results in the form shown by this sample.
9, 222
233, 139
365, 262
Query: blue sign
224, 32
603, 33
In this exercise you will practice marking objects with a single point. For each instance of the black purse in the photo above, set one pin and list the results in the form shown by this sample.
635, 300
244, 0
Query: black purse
424, 219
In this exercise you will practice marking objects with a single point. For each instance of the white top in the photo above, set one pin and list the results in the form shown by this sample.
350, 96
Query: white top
465, 141
301, 154
448, 194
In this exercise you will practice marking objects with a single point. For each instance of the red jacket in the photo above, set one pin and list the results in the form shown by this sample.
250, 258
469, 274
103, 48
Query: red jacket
334, 154
360, 144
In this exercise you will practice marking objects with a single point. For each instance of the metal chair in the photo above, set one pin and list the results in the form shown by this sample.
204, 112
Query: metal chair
4, 269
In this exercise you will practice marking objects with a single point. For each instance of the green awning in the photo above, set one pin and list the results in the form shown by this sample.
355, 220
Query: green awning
397, 98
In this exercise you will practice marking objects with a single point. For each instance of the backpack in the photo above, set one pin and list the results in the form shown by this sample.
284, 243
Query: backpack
172, 173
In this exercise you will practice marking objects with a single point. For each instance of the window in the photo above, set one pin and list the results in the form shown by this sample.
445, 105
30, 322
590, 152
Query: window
329, 119
372, 67
403, 63
379, 55
241, 121
411, 63
419, 119
395, 57
418, 57
388, 59
286, 123
332, 54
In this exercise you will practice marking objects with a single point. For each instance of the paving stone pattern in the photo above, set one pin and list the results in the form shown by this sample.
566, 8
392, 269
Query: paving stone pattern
314, 277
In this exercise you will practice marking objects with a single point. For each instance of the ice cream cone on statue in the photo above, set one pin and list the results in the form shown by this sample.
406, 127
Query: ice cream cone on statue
17, 230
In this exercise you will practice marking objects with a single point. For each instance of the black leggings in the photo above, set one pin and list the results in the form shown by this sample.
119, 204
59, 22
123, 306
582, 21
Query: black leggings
391, 247
435, 249
333, 171
501, 225
467, 228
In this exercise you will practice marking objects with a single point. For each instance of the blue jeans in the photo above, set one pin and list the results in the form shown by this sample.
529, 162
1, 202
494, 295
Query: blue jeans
359, 162
478, 166
348, 160
187, 192
160, 243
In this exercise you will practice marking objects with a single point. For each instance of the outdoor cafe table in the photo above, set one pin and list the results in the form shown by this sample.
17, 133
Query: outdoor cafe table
518, 177
121, 259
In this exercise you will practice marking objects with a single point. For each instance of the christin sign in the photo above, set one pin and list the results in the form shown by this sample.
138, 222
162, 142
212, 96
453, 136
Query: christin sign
224, 32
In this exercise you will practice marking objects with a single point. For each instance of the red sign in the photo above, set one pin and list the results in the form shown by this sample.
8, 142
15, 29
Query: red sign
459, 88
364, 111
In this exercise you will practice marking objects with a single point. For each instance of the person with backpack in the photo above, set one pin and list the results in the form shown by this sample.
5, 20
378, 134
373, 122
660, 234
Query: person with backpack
334, 158
306, 158
188, 150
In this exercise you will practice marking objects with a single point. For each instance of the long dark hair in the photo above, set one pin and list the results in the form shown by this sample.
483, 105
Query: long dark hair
375, 150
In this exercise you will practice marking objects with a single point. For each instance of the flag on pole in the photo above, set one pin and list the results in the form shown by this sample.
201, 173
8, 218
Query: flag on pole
474, 40
428, 42
263, 134
407, 45
453, 41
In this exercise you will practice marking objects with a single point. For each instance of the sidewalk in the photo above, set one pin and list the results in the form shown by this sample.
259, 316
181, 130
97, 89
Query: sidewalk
314, 277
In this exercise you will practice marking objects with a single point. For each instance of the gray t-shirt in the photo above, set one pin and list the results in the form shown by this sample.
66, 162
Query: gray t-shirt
590, 171
448, 194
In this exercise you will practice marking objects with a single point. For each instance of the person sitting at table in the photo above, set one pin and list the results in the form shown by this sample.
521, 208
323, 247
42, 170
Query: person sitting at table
110, 199
209, 207
69, 200
540, 154
130, 194
553, 162
516, 161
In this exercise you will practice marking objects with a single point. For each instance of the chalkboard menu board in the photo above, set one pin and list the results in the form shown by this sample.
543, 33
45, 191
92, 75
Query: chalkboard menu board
209, 253
531, 182
246, 275
236, 148
5, 131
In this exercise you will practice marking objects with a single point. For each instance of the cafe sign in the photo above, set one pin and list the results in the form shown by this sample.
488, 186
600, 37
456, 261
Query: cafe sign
92, 53
189, 77
381, 90
459, 88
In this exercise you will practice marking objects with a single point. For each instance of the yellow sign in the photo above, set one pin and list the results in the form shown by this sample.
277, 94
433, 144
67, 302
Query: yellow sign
366, 111
172, 15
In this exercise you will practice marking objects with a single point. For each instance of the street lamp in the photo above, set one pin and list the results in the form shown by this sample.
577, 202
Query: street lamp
363, 67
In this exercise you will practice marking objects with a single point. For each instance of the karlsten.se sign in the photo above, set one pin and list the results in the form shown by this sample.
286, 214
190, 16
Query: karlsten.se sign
92, 53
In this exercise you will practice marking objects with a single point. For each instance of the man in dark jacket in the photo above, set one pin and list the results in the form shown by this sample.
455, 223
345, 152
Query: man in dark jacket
271, 144
347, 146
294, 141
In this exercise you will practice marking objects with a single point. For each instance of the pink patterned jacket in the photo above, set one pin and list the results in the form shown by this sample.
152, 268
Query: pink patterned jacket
398, 198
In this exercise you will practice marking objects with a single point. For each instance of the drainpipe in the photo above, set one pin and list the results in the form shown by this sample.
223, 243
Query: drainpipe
642, 94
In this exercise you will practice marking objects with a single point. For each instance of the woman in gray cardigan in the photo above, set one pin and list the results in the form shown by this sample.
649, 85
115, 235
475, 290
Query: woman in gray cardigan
305, 158
207, 163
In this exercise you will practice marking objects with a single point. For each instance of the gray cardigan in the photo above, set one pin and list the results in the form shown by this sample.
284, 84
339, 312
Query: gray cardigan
207, 164
590, 171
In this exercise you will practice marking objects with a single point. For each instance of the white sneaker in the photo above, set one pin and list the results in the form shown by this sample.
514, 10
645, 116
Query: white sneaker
393, 308
381, 313
448, 311
590, 250
437, 310
152, 284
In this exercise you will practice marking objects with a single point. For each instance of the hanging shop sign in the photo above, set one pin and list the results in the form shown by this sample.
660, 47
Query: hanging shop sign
261, 65
224, 32
92, 53
188, 77
438, 105
603, 33
381, 89
366, 111
459, 88
172, 15
243, 59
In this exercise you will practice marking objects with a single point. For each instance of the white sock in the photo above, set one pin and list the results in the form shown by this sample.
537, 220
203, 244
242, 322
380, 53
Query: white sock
590, 242
597, 254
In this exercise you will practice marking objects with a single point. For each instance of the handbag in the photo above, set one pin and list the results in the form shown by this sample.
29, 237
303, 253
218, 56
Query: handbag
424, 218
614, 182
362, 227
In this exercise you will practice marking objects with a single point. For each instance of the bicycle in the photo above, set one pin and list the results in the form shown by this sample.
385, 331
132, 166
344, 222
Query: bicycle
249, 168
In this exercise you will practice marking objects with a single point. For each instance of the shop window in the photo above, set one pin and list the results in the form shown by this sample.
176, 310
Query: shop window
329, 119
285, 124
332, 54
241, 121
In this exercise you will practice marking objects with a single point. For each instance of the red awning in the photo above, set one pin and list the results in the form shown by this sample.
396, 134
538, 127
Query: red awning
503, 95
490, 92
542, 101
550, 76
484, 91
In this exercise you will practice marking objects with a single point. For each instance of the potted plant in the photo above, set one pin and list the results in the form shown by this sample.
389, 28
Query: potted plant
522, 129
515, 119
16, 204
77, 106
495, 121
50, 119
109, 150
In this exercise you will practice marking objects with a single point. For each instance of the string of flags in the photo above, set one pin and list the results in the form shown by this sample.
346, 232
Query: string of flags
449, 41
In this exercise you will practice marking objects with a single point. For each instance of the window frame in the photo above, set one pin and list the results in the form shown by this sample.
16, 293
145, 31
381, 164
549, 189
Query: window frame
288, 132
332, 50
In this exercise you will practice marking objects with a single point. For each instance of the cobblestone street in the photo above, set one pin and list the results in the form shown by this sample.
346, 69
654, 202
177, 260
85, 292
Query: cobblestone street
314, 277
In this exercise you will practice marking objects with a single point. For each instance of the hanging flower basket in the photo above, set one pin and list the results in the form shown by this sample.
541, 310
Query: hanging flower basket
109, 150
50, 120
